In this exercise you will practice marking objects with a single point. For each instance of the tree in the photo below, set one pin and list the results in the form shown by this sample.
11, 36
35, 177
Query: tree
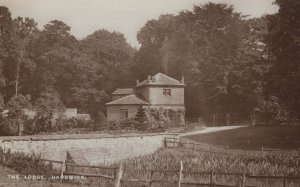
209, 46
48, 107
16, 106
90, 99
271, 111
284, 46
24, 29
112, 56
6, 26
141, 119
100, 121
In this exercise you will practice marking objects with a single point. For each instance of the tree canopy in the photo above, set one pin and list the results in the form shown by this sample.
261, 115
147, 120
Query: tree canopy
230, 63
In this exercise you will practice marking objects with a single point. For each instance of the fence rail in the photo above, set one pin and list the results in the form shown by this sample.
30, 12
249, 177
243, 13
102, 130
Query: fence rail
119, 180
178, 177
182, 143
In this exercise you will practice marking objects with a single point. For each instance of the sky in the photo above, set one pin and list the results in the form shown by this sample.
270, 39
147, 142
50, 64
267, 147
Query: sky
124, 16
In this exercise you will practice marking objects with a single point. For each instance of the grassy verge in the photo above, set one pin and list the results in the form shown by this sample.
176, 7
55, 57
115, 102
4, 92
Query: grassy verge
277, 137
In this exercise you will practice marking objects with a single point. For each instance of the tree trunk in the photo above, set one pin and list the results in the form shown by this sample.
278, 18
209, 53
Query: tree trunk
227, 118
18, 72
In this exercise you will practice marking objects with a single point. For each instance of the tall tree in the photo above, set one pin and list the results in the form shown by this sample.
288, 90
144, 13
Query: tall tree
284, 45
204, 45
6, 27
24, 30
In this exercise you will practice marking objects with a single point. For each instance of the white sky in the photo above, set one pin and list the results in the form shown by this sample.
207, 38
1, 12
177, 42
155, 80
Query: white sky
125, 16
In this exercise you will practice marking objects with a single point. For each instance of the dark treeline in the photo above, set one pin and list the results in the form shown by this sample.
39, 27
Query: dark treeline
230, 63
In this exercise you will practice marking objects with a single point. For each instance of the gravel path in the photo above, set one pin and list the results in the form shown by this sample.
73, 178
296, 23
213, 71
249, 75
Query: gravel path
209, 129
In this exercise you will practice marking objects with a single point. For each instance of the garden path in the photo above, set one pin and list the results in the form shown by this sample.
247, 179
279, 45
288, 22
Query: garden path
209, 129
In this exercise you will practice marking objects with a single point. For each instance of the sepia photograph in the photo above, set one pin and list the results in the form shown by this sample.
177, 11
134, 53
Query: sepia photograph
149, 93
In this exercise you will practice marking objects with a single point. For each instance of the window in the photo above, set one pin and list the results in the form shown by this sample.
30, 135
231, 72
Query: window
167, 92
123, 113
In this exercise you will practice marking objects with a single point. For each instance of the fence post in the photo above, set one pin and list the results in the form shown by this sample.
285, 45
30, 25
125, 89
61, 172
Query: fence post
63, 168
262, 149
174, 143
194, 147
32, 160
211, 183
243, 180
151, 175
180, 174
187, 144
119, 175
226, 149
214, 119
165, 142
284, 181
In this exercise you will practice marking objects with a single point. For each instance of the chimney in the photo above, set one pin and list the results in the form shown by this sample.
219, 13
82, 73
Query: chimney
182, 79
149, 78
137, 82
153, 79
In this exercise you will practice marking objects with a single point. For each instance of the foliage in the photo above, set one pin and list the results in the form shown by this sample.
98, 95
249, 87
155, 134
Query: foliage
230, 62
100, 121
284, 47
271, 111
25, 164
219, 52
90, 99
16, 116
80, 72
164, 159
127, 124
141, 119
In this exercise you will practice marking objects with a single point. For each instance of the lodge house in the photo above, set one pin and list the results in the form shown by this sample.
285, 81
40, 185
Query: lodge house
158, 92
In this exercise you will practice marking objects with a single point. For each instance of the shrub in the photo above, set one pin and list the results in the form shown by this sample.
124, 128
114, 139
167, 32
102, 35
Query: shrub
123, 124
100, 121
141, 120
270, 111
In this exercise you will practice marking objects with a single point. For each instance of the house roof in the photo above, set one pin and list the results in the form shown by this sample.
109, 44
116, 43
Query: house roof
123, 91
161, 79
129, 100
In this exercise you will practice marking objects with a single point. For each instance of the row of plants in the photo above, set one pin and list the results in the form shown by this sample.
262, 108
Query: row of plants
254, 164
39, 125
153, 119
25, 164
283, 164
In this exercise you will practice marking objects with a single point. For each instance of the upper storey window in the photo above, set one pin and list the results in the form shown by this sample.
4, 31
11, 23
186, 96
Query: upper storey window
167, 92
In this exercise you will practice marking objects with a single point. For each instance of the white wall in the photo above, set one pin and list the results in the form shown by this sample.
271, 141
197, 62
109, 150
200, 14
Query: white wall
93, 151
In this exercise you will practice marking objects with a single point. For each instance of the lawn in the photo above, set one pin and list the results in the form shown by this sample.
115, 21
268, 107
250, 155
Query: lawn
275, 137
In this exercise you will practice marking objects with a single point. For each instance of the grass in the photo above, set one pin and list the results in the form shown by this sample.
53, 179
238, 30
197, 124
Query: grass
169, 159
275, 137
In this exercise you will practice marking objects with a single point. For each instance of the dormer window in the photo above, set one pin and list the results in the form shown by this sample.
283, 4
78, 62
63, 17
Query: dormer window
167, 92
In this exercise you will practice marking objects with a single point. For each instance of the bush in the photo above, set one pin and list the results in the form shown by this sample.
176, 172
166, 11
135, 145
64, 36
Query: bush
270, 111
30, 127
24, 164
141, 119
123, 124
100, 121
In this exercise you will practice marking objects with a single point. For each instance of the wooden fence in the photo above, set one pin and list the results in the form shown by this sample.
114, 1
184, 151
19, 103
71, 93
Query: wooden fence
183, 143
118, 179
179, 177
